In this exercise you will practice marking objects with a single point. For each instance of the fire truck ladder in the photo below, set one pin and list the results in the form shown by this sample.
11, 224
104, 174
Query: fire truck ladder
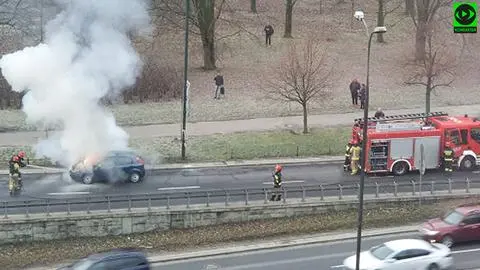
402, 117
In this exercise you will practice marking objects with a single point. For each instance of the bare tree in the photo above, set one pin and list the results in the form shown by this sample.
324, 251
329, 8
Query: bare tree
410, 7
289, 4
385, 7
422, 19
303, 77
204, 16
253, 6
435, 70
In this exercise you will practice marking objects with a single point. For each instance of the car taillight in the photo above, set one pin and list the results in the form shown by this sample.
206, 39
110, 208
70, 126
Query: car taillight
140, 160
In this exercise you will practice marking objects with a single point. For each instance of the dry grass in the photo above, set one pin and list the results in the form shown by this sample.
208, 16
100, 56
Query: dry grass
43, 253
246, 64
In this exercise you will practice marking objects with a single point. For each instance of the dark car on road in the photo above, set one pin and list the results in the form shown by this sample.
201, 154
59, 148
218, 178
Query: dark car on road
116, 166
459, 225
120, 259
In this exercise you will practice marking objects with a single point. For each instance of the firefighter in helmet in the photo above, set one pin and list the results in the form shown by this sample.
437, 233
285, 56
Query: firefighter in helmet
448, 157
348, 148
277, 183
355, 157
19, 160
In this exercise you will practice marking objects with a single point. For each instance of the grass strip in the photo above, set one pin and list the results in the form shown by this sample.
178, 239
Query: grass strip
44, 253
237, 146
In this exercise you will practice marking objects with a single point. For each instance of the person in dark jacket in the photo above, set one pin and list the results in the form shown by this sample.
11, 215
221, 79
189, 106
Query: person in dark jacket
268, 34
277, 183
362, 95
379, 113
354, 87
219, 86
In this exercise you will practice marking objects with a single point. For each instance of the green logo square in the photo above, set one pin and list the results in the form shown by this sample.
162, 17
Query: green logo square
465, 17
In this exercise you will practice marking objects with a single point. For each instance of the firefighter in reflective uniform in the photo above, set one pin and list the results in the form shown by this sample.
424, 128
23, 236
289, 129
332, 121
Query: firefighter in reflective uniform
348, 149
355, 156
277, 183
448, 157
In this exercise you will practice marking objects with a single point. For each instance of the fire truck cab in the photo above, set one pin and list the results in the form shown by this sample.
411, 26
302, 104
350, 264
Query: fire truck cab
394, 142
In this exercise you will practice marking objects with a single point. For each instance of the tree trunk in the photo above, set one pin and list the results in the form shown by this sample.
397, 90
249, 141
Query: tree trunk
305, 118
421, 33
321, 6
206, 23
380, 20
410, 7
427, 100
352, 11
288, 18
253, 6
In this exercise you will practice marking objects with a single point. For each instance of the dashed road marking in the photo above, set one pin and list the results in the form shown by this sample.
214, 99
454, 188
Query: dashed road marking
336, 266
284, 182
176, 188
68, 193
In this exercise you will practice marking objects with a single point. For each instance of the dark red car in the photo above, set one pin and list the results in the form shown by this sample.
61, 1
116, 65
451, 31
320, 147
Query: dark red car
459, 225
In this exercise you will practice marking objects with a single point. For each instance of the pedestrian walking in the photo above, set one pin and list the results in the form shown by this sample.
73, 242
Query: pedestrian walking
268, 34
277, 183
362, 95
219, 86
354, 87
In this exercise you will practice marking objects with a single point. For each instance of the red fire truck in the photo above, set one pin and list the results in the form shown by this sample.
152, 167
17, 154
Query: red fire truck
394, 142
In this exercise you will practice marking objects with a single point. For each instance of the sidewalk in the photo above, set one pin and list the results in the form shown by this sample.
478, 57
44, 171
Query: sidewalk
233, 163
225, 127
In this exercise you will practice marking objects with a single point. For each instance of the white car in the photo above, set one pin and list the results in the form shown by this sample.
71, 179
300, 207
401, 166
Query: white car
411, 254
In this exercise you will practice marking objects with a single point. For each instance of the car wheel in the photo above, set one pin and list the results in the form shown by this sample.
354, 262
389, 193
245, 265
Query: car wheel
447, 241
400, 168
87, 179
135, 177
467, 164
433, 266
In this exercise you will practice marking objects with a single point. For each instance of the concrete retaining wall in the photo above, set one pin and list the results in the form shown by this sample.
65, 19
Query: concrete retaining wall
38, 227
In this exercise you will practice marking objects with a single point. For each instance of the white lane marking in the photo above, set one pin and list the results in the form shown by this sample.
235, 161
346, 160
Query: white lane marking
465, 251
476, 172
68, 193
336, 266
284, 182
377, 177
280, 262
175, 188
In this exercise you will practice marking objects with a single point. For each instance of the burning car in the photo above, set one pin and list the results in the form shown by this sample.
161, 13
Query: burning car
116, 166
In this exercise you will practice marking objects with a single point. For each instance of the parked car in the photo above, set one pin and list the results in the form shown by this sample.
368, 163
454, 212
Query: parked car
119, 259
402, 255
116, 166
459, 225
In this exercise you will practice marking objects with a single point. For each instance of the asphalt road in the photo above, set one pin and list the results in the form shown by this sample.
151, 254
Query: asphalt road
194, 180
319, 256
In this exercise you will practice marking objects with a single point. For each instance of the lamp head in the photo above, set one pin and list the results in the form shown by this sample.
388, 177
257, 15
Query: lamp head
380, 29
359, 15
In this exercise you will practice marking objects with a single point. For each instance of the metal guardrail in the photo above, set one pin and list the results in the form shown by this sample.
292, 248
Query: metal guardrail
107, 203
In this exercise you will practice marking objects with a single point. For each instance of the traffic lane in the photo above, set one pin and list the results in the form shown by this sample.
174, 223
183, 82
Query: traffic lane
219, 178
318, 256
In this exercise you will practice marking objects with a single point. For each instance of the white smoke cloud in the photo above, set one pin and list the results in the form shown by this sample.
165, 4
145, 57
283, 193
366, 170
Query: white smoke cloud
87, 55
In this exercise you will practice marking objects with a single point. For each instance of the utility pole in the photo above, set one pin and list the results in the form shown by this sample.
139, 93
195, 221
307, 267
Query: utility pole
185, 81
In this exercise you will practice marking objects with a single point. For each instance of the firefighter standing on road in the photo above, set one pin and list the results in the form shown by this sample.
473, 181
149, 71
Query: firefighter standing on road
277, 183
348, 149
18, 160
448, 157
355, 156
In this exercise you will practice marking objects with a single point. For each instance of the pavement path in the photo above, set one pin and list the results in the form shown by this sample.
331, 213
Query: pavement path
317, 256
226, 127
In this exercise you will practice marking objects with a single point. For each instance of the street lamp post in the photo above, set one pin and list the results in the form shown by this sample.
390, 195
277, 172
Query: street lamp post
379, 29
185, 82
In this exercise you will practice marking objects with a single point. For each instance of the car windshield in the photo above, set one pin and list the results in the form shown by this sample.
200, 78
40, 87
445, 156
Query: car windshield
82, 264
381, 252
453, 218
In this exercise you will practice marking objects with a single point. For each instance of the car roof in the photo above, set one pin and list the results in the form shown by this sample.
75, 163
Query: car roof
402, 244
465, 210
121, 153
116, 253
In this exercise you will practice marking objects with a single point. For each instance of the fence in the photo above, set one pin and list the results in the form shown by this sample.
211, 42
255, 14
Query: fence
204, 198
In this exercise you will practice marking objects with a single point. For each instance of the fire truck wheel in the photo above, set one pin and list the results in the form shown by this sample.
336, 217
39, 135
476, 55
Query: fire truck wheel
467, 164
400, 168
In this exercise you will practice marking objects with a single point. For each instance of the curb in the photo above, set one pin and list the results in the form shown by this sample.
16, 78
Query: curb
225, 164
277, 244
